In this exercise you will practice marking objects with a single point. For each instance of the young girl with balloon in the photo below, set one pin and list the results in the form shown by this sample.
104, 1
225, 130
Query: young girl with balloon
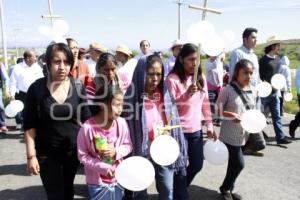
231, 107
103, 141
148, 106
191, 99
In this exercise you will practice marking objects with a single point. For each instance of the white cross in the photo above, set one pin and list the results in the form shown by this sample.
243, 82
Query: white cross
204, 9
50, 16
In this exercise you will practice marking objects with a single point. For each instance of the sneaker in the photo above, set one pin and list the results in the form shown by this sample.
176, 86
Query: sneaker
226, 194
285, 140
253, 153
19, 126
4, 129
236, 196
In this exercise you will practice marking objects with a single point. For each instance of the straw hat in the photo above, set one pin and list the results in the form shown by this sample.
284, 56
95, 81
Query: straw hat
97, 46
124, 49
176, 43
272, 40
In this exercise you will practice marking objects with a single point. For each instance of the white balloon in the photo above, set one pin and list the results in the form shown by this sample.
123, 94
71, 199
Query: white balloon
164, 150
135, 173
10, 110
264, 89
60, 27
253, 121
278, 81
18, 105
215, 152
213, 45
288, 97
199, 32
45, 30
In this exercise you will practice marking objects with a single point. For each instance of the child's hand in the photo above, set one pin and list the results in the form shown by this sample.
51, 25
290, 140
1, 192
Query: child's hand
236, 118
192, 89
109, 152
110, 174
212, 134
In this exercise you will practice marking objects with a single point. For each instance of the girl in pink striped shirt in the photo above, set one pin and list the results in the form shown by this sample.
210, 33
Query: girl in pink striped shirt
191, 98
100, 161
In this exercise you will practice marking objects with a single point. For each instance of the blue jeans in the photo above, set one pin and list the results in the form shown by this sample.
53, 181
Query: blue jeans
105, 192
272, 101
164, 184
236, 164
2, 115
195, 153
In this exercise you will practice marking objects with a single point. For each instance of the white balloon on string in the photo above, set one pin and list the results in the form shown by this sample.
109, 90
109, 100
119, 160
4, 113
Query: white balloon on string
199, 32
10, 110
288, 97
164, 150
214, 45
45, 30
135, 173
253, 121
60, 27
215, 152
278, 81
264, 89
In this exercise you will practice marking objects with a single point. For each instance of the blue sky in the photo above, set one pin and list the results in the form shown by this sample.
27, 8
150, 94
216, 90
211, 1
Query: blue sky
111, 22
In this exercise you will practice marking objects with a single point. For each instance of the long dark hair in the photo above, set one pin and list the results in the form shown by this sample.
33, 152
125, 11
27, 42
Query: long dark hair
186, 50
243, 63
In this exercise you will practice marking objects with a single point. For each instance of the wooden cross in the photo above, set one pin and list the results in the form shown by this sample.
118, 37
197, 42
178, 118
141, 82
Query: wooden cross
50, 16
204, 9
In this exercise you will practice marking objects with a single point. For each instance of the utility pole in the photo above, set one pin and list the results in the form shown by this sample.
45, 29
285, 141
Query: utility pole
3, 35
179, 3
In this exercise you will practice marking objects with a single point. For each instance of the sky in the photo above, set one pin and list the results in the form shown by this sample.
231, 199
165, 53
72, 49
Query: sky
113, 22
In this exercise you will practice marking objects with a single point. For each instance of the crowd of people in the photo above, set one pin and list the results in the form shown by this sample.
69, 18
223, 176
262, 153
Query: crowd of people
71, 101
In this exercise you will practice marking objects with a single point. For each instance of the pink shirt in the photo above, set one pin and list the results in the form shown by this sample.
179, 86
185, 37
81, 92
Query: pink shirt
154, 112
190, 108
118, 136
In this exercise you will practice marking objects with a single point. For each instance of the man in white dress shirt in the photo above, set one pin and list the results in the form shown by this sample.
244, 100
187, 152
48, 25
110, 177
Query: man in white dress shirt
22, 76
145, 49
170, 62
126, 64
95, 50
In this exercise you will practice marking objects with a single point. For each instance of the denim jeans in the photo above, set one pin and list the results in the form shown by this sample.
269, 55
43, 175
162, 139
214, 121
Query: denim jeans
236, 164
164, 184
105, 192
195, 153
2, 115
272, 101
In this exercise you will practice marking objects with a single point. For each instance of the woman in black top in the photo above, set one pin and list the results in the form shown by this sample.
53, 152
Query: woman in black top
53, 113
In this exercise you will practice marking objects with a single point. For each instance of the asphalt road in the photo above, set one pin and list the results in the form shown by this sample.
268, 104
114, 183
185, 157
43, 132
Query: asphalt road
276, 176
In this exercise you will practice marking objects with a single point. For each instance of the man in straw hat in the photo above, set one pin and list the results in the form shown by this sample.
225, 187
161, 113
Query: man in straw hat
246, 52
170, 62
95, 50
268, 66
126, 63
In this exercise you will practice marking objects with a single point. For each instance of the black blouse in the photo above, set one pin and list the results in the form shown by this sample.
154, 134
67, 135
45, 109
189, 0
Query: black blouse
56, 124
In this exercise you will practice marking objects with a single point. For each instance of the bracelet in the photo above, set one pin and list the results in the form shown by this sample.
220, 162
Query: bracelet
30, 157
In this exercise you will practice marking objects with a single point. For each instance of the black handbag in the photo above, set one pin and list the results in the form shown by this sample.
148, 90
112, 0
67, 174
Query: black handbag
255, 141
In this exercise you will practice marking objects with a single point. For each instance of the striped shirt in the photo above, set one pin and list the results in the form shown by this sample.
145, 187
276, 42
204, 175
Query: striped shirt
232, 133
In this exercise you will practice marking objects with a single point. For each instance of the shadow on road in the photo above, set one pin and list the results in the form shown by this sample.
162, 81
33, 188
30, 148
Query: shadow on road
196, 193
19, 170
38, 193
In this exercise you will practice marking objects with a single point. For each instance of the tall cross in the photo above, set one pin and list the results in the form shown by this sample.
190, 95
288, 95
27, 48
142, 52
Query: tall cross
50, 16
204, 9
